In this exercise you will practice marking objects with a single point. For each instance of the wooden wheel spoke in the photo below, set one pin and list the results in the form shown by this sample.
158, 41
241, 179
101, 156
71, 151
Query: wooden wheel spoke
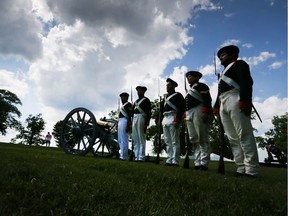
81, 133
84, 143
78, 132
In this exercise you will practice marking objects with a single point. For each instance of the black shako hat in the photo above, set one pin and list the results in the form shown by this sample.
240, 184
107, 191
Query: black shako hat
231, 49
194, 73
124, 94
175, 84
141, 88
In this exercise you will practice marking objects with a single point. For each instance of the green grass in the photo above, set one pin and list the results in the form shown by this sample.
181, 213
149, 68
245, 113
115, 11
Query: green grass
46, 181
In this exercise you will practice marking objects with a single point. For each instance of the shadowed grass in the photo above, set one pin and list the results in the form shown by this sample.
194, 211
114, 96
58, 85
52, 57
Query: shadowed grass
46, 181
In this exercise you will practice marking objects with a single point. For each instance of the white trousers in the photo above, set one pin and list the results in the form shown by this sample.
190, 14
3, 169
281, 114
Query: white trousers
198, 135
171, 138
139, 137
239, 131
123, 138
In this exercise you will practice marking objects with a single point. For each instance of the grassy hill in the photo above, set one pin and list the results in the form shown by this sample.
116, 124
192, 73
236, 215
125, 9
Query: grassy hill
46, 181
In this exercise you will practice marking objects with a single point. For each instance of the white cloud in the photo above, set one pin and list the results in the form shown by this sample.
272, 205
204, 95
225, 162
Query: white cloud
267, 109
15, 82
89, 66
19, 30
263, 56
99, 49
207, 69
272, 2
247, 45
41, 10
230, 42
275, 65
228, 15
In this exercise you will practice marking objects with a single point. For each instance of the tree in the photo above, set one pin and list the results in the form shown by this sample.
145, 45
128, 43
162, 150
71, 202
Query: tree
214, 140
153, 130
31, 133
8, 110
56, 132
113, 114
278, 133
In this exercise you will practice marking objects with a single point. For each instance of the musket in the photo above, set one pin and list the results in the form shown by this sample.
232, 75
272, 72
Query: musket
118, 147
132, 151
256, 113
221, 166
186, 160
157, 161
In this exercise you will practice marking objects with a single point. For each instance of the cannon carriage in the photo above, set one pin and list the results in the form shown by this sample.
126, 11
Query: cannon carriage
82, 133
275, 154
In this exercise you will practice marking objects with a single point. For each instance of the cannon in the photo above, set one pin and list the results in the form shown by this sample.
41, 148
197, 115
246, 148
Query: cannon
274, 151
82, 133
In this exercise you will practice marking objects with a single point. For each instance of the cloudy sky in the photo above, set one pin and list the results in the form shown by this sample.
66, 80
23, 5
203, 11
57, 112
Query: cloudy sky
58, 55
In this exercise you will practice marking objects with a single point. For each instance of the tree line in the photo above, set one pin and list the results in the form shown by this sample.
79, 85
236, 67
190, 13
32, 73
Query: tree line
30, 132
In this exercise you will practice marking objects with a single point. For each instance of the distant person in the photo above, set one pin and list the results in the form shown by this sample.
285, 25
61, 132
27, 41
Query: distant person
141, 120
48, 139
198, 118
172, 110
124, 125
234, 104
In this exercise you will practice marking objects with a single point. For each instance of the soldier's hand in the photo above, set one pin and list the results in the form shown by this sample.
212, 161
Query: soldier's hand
245, 107
247, 111
129, 127
216, 111
205, 117
176, 124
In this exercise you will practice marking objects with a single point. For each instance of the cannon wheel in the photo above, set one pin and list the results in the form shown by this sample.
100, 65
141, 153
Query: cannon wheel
78, 132
107, 145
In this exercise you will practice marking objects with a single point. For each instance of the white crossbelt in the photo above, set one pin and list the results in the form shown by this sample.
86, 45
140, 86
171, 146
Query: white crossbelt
169, 113
137, 106
169, 102
194, 93
227, 79
230, 81
123, 111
